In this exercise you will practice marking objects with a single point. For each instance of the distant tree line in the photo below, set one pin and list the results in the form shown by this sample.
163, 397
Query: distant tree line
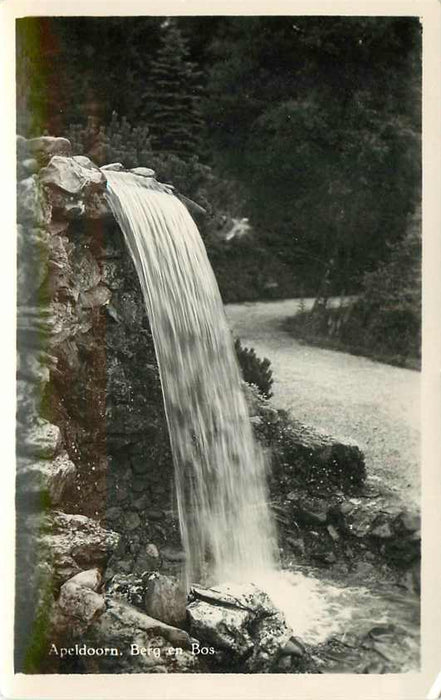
314, 121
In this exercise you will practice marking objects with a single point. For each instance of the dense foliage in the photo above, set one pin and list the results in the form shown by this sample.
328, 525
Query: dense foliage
173, 96
244, 270
118, 142
385, 321
315, 120
254, 370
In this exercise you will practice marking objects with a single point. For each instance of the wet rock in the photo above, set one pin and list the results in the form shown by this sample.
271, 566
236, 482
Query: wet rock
86, 269
28, 401
407, 522
242, 620
293, 648
76, 542
33, 369
139, 464
165, 599
121, 493
80, 602
411, 579
154, 514
318, 460
21, 147
139, 484
132, 521
112, 274
66, 206
145, 564
26, 167
57, 228
122, 626
141, 503
136, 619
382, 529
225, 628
329, 557
333, 532
88, 579
359, 522
152, 551
40, 440
118, 167
144, 172
93, 298
297, 545
125, 420
284, 664
114, 513
52, 478
125, 565
72, 175
44, 147
269, 414
311, 512
32, 205
32, 246
96, 206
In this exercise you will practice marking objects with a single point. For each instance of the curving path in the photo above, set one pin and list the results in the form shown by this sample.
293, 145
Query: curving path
374, 404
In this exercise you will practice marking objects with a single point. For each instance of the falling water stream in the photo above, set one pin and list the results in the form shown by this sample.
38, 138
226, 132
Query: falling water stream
226, 526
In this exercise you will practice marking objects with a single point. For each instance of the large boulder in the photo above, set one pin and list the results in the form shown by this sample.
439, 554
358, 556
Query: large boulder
72, 175
79, 606
43, 148
240, 620
75, 188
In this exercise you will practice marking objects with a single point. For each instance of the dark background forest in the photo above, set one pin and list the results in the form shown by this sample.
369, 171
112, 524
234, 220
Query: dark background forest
309, 127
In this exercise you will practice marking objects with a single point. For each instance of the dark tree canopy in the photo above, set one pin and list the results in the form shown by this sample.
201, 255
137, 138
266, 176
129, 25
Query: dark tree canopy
172, 100
318, 119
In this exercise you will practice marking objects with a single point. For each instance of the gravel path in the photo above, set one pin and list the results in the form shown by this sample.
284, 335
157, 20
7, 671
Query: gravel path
374, 404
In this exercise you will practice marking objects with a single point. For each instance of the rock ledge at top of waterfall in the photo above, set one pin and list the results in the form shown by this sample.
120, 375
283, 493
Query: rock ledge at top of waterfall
239, 619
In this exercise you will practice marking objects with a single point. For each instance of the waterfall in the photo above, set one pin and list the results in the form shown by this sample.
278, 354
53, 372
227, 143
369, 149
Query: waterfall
226, 527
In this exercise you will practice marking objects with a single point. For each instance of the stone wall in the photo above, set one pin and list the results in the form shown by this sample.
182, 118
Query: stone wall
92, 440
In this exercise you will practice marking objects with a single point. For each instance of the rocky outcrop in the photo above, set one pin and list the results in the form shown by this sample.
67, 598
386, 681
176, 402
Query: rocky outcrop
96, 630
303, 456
329, 512
241, 622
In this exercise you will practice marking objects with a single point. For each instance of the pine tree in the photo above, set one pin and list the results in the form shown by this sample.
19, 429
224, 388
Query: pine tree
174, 95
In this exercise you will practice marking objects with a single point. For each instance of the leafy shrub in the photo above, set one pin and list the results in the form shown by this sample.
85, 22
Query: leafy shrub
254, 370
119, 141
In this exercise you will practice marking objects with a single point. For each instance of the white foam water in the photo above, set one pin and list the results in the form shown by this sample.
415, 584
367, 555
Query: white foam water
226, 527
